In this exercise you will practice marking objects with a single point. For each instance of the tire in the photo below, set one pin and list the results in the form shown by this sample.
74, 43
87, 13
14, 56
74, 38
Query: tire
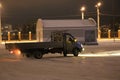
65, 53
75, 52
38, 55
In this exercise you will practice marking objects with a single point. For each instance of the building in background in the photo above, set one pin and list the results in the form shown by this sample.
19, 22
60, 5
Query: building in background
84, 30
5, 29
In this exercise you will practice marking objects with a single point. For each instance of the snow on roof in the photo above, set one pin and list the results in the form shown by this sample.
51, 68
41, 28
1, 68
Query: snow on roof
69, 23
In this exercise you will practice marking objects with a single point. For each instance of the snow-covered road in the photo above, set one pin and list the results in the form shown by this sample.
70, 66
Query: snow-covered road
97, 62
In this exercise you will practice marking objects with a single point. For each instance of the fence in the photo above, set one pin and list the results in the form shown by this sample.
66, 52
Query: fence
110, 34
31, 36
18, 36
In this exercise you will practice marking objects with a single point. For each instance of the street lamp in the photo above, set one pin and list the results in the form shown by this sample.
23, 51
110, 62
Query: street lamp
98, 17
0, 23
82, 11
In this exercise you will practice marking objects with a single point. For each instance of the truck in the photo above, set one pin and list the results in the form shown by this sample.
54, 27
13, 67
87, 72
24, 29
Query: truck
61, 42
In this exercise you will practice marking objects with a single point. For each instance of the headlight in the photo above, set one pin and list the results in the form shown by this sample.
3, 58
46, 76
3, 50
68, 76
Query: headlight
82, 47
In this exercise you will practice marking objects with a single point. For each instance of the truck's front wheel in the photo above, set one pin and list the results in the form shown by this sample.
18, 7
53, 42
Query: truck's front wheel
75, 52
65, 53
38, 55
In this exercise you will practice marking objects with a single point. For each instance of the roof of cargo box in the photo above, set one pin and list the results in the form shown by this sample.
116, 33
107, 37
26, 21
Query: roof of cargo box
69, 23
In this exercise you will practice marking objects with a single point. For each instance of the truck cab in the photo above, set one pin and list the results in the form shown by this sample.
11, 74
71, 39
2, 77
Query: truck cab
70, 43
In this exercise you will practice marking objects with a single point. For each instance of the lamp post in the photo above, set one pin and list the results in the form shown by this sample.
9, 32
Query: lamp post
98, 17
82, 11
0, 23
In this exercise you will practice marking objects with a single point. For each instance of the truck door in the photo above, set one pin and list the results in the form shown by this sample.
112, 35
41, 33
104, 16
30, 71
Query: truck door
69, 43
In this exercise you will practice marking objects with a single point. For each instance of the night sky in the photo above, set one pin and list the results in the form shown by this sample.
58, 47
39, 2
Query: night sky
25, 11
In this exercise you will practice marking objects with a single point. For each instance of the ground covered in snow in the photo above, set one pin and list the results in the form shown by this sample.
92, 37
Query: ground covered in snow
57, 67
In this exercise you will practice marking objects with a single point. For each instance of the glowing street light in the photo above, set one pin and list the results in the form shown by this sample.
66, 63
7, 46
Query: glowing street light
0, 23
82, 11
98, 17
0, 5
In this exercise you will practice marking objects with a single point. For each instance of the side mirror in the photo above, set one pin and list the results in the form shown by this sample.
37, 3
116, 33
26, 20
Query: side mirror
75, 40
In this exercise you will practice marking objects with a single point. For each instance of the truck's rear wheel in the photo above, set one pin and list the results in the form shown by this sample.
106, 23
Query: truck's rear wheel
75, 52
38, 55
